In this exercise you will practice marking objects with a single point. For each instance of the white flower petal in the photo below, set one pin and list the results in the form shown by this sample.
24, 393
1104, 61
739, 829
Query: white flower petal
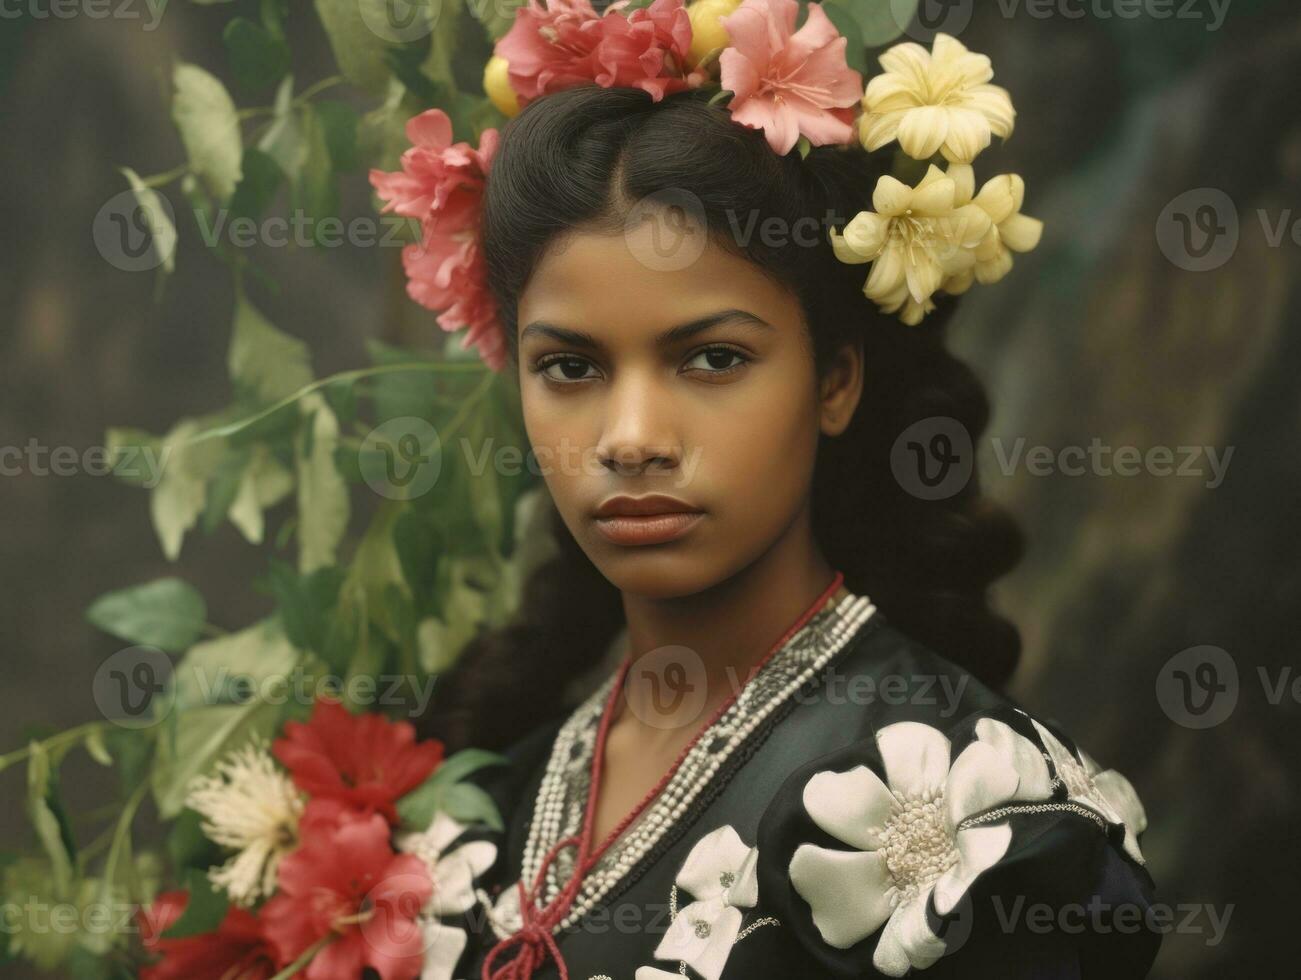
849, 892
454, 876
706, 954
719, 853
1021, 233
923, 130
935, 198
963, 176
443, 948
865, 236
875, 130
995, 104
1120, 795
891, 196
1036, 782
910, 60
1062, 756
979, 849
980, 780
851, 806
889, 272
907, 941
916, 758
968, 134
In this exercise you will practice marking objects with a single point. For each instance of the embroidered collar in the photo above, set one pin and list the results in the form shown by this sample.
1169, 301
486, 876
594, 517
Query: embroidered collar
562, 797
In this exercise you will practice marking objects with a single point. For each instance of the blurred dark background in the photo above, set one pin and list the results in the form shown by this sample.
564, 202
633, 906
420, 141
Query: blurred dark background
1146, 132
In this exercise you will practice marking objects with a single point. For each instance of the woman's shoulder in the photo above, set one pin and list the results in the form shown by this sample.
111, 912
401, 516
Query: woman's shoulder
944, 828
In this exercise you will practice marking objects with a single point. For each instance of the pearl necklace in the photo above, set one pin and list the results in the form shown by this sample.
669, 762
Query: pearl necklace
562, 796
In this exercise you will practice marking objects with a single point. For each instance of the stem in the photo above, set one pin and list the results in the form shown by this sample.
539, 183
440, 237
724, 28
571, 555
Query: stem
437, 367
72, 735
160, 180
312, 90
302, 961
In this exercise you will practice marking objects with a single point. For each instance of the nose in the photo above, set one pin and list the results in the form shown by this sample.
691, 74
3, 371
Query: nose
638, 434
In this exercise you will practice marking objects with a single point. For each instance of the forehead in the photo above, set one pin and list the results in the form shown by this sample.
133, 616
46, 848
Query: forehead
650, 277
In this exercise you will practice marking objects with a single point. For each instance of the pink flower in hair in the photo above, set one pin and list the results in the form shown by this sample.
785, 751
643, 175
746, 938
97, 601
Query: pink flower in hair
446, 271
441, 183
789, 83
567, 43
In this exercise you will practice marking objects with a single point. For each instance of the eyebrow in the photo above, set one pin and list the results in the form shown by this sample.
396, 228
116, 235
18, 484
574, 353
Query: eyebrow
674, 335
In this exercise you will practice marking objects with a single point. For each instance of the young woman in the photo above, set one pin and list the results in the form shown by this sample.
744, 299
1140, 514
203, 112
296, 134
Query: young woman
793, 760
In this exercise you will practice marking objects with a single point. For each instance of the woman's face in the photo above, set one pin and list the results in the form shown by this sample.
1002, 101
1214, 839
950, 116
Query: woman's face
695, 383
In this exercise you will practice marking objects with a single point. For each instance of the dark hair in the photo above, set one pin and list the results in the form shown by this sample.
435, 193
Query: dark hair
580, 159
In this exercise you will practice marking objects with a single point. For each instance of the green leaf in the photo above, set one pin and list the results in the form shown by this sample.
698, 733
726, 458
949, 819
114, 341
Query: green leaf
843, 19
471, 804
134, 455
265, 363
257, 189
317, 193
181, 493
188, 847
323, 503
204, 910
358, 49
240, 666
257, 59
339, 120
497, 18
283, 139
879, 21
456, 767
305, 602
264, 483
166, 613
162, 230
205, 115
49, 819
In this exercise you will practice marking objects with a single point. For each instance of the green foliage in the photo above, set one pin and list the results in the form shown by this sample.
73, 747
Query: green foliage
209, 126
165, 613
447, 791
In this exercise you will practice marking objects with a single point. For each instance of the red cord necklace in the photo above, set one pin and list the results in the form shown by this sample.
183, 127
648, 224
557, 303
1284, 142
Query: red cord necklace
534, 938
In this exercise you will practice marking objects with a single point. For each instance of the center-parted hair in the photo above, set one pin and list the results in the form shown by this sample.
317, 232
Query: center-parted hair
583, 159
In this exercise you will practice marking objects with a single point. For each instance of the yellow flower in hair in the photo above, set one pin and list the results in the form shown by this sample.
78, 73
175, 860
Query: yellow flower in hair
1010, 231
496, 83
918, 238
707, 31
935, 101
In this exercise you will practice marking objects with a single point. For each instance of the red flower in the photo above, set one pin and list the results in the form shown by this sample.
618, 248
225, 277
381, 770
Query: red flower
237, 950
567, 43
365, 761
346, 884
442, 183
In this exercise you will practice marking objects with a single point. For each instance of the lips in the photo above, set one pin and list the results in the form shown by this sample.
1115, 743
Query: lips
654, 519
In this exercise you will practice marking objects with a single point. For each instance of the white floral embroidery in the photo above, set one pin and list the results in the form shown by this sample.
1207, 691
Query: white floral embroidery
722, 875
453, 872
1106, 791
911, 846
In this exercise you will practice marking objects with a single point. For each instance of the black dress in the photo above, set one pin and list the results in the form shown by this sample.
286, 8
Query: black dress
863, 808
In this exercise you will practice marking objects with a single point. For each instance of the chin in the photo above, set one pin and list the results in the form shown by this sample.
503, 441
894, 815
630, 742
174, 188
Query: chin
669, 571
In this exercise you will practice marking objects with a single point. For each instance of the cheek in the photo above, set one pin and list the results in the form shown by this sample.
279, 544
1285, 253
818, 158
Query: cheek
560, 442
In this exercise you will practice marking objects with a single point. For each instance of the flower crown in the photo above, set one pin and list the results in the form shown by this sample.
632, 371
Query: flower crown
794, 85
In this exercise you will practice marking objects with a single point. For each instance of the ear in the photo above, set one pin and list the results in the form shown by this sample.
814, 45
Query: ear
840, 390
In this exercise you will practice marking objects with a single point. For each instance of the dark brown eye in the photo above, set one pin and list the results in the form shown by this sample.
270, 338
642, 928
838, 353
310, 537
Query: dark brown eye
570, 369
717, 359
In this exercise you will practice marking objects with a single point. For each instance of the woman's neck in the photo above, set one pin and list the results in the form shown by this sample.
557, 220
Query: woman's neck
726, 630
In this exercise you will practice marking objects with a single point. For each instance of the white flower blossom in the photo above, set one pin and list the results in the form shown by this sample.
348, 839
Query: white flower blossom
453, 872
721, 873
911, 847
251, 806
935, 101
